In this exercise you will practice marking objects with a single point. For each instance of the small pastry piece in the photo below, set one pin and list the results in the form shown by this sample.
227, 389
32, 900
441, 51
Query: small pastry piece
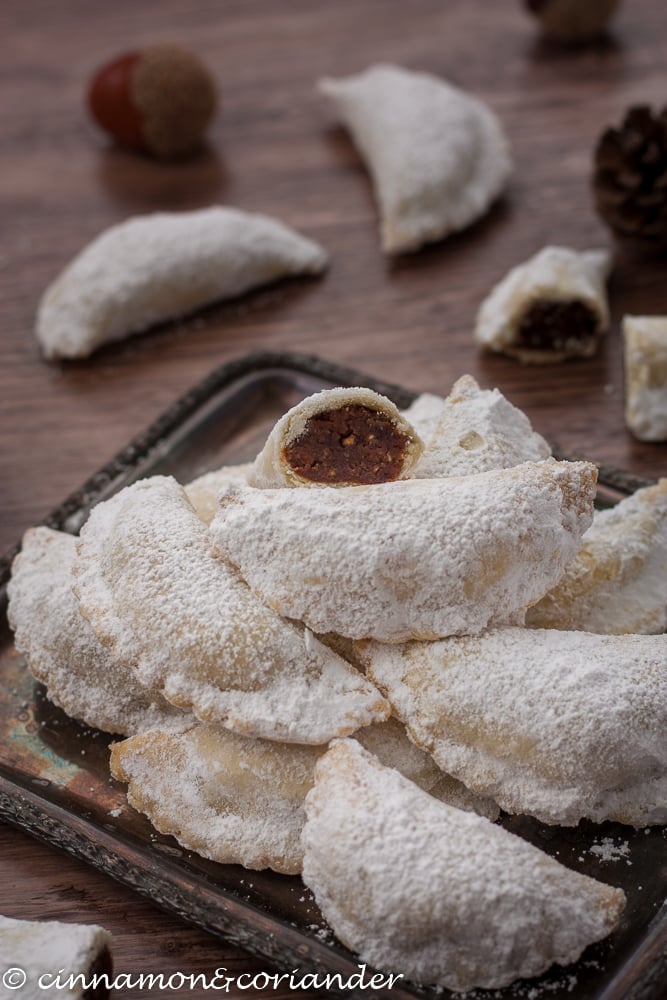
230, 798
617, 582
32, 949
390, 743
239, 800
159, 100
338, 437
440, 895
437, 156
81, 676
184, 621
162, 266
472, 430
552, 307
645, 340
420, 558
204, 491
558, 725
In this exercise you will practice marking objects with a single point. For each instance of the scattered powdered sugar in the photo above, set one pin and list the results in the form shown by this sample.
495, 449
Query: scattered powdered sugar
559, 725
445, 896
607, 850
184, 620
410, 559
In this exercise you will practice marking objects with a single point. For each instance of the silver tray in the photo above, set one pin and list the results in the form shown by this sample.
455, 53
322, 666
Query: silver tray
54, 779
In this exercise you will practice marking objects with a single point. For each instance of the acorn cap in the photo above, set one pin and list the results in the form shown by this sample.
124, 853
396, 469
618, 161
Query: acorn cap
175, 96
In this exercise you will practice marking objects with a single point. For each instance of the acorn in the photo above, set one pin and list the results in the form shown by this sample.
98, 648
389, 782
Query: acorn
573, 22
159, 100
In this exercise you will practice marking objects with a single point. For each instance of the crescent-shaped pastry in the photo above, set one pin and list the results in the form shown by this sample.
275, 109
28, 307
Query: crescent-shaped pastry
440, 895
204, 491
645, 353
81, 676
157, 267
419, 558
617, 582
239, 800
49, 948
230, 798
552, 307
472, 430
338, 437
184, 621
558, 725
437, 156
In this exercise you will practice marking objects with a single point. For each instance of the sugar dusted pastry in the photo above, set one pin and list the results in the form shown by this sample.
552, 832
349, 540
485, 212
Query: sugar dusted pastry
552, 307
239, 800
50, 948
184, 621
442, 896
157, 267
203, 492
390, 743
338, 437
559, 725
80, 674
230, 798
617, 582
419, 558
437, 156
645, 341
472, 430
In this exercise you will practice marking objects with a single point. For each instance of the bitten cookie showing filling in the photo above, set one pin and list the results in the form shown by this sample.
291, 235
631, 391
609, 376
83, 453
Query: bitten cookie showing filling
338, 437
353, 443
549, 308
569, 327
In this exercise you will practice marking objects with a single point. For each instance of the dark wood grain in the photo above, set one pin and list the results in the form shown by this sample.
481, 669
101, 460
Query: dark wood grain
275, 148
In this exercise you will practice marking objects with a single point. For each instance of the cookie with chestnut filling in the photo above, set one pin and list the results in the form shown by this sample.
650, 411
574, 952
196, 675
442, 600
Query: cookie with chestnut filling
338, 437
550, 308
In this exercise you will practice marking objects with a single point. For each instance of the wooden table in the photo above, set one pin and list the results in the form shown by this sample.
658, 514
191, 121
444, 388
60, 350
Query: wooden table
275, 148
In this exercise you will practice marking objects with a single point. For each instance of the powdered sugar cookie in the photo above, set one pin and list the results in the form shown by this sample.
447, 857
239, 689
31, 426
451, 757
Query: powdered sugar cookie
203, 492
559, 725
645, 352
80, 674
552, 307
442, 896
419, 558
185, 622
437, 156
472, 430
338, 437
156, 267
617, 582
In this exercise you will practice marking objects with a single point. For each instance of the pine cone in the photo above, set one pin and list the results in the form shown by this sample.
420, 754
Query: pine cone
572, 22
630, 178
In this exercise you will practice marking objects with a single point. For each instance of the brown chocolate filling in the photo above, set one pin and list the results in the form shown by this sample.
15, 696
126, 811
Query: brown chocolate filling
101, 966
352, 444
557, 326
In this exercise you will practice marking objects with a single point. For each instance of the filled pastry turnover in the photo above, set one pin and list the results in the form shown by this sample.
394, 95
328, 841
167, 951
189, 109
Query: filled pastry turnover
550, 308
559, 725
420, 558
438, 156
162, 266
189, 627
444, 896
